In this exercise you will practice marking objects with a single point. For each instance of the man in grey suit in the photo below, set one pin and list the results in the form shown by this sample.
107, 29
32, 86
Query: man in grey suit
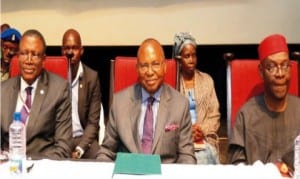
86, 98
48, 124
125, 131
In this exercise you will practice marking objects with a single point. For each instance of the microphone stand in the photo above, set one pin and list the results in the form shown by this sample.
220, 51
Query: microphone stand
70, 56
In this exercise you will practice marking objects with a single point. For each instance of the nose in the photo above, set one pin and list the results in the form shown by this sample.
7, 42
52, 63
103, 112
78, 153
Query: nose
279, 72
150, 70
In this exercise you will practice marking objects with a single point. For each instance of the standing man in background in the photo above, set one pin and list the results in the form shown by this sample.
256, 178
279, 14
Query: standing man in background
86, 98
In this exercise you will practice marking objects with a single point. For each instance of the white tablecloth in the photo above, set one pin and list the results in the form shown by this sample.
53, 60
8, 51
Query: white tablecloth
99, 170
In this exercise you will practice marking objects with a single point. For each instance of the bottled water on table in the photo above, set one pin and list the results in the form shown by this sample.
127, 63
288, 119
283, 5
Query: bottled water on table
17, 145
297, 158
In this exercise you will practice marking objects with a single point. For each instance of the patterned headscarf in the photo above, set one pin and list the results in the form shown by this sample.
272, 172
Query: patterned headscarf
180, 40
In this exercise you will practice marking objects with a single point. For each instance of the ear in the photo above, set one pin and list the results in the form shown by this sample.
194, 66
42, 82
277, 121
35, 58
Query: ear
81, 51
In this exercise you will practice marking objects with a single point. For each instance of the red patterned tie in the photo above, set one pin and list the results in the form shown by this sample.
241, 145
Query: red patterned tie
27, 106
147, 138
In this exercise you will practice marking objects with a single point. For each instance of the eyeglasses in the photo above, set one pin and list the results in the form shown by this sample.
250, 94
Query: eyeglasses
33, 55
155, 66
273, 68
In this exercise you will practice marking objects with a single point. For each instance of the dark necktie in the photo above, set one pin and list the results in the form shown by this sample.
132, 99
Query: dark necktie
27, 105
147, 138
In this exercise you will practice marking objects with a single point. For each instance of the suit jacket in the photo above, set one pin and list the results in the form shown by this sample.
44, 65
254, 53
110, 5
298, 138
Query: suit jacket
49, 129
174, 146
89, 102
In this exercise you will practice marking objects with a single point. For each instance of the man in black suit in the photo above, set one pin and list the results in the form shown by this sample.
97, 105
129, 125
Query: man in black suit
86, 98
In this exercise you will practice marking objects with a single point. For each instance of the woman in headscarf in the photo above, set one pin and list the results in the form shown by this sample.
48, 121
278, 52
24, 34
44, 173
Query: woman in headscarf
198, 87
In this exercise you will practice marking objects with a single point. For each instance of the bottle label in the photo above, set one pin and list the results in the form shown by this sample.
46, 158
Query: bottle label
16, 166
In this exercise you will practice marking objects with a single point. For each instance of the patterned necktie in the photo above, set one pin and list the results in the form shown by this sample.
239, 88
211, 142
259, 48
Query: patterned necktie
147, 138
27, 105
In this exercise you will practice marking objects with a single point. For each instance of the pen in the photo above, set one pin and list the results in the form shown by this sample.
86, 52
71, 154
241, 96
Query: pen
29, 168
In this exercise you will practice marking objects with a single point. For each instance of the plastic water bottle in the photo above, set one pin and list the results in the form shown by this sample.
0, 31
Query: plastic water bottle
17, 145
297, 158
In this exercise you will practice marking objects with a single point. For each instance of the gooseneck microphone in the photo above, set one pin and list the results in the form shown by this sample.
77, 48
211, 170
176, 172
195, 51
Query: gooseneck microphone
70, 56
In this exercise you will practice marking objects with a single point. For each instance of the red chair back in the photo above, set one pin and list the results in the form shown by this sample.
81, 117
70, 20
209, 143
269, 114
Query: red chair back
244, 81
54, 64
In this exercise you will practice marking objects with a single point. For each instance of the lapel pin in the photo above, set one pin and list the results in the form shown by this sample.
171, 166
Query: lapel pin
80, 86
42, 92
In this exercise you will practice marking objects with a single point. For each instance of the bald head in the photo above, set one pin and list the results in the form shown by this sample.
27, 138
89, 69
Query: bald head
72, 48
72, 33
150, 46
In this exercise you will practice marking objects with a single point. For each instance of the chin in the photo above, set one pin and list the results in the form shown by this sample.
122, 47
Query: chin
151, 89
280, 95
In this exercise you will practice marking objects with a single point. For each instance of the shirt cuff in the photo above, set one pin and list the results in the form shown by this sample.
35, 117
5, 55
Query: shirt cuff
80, 151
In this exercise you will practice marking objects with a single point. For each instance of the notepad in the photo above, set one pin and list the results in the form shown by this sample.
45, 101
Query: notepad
137, 164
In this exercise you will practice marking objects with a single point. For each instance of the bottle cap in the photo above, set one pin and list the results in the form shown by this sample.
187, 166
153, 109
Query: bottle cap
17, 116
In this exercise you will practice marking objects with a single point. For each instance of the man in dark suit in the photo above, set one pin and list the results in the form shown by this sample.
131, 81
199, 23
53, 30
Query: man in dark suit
48, 116
86, 98
126, 131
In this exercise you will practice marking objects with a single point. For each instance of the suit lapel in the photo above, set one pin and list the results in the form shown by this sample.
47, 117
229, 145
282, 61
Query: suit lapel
13, 97
162, 116
40, 93
135, 117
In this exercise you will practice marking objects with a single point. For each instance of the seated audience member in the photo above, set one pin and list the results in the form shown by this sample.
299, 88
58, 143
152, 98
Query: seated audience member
267, 125
42, 98
198, 87
9, 47
86, 98
149, 117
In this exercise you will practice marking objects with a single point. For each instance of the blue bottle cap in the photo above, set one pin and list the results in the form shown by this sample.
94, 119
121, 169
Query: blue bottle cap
17, 116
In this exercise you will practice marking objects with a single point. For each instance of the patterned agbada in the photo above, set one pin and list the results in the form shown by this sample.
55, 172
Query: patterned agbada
260, 134
207, 105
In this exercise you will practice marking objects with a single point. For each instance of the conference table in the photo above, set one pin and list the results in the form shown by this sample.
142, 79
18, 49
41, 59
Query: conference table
46, 168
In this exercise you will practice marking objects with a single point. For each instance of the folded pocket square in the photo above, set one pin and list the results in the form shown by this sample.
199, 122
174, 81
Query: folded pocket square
171, 127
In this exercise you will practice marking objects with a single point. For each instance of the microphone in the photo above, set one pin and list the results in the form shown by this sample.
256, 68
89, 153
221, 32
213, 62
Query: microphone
70, 55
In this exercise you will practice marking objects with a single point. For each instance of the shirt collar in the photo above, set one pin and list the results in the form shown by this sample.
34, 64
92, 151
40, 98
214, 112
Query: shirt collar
24, 84
79, 74
146, 95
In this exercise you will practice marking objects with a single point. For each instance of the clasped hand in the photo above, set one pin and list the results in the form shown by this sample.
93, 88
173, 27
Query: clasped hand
198, 135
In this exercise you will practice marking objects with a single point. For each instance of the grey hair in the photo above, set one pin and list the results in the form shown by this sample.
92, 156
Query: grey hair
180, 40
